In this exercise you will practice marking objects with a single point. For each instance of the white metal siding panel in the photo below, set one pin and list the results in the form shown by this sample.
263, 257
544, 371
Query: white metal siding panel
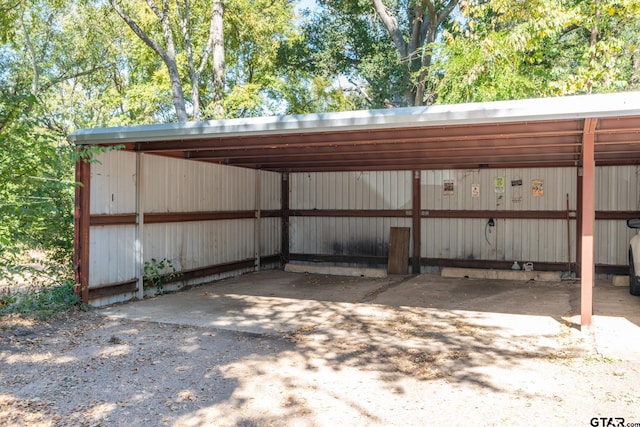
115, 299
270, 185
271, 232
510, 239
517, 240
176, 185
351, 190
616, 189
612, 242
191, 245
557, 183
343, 236
111, 254
113, 183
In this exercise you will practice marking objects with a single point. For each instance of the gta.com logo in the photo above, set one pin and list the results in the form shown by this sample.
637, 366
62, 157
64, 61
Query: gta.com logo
611, 422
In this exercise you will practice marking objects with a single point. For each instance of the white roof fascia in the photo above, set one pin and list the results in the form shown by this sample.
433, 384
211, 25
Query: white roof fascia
539, 109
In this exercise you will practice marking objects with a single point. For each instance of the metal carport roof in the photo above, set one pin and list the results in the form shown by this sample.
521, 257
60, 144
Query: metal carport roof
578, 131
507, 134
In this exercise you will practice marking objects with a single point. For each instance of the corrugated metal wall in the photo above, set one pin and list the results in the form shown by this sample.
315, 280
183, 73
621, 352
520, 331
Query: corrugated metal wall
270, 199
347, 190
617, 189
178, 186
175, 185
542, 240
351, 190
112, 256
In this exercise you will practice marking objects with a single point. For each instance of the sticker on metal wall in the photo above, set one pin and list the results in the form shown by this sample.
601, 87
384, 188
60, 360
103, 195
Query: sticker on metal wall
475, 190
537, 187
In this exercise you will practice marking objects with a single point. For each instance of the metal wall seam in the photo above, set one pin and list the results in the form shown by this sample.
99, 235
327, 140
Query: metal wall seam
139, 242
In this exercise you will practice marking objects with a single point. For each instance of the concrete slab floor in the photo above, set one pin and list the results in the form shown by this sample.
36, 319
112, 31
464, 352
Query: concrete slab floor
276, 302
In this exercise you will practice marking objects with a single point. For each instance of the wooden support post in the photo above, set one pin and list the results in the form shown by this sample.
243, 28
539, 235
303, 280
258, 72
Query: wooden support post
416, 221
82, 216
284, 203
588, 222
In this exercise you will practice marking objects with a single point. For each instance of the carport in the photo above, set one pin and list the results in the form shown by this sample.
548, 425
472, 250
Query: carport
573, 134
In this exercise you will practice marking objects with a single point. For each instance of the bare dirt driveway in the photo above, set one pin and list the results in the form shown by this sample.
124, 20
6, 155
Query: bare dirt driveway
282, 349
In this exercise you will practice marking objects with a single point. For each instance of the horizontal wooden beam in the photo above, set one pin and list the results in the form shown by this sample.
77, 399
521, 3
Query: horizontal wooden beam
159, 218
130, 219
345, 213
111, 289
617, 215
526, 147
436, 134
411, 163
485, 214
115, 219
212, 270
403, 213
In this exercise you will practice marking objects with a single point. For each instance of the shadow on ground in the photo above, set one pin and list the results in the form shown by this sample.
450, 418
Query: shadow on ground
280, 349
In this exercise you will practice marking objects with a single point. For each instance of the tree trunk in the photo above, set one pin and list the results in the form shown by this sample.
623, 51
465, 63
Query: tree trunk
168, 56
218, 59
634, 79
593, 40
177, 94
426, 18
194, 76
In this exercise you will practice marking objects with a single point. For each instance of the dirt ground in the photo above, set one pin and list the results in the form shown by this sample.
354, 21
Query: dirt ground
367, 365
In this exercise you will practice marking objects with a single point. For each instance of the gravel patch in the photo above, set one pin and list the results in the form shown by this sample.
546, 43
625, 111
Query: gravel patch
365, 365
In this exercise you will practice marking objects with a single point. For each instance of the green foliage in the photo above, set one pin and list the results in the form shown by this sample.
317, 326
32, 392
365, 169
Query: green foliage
46, 290
36, 191
255, 30
41, 304
507, 50
157, 273
336, 62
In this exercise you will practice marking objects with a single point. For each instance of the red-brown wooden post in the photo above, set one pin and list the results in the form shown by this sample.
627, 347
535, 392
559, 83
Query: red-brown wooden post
82, 216
588, 222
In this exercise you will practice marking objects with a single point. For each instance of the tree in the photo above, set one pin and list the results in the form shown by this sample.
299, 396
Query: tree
343, 59
256, 30
386, 46
42, 57
168, 53
506, 50
424, 19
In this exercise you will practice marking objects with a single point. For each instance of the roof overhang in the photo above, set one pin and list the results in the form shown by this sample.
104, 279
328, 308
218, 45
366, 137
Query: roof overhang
546, 132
